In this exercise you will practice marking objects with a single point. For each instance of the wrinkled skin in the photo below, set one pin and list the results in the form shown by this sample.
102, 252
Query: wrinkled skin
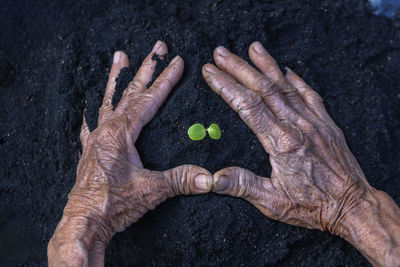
315, 178
112, 188
315, 182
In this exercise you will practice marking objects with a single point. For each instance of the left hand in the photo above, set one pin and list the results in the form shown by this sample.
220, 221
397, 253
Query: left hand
315, 181
112, 188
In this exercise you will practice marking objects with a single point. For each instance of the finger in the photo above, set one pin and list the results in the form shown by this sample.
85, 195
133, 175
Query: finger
259, 191
161, 88
120, 61
254, 80
145, 72
266, 63
268, 66
188, 179
247, 103
84, 133
239, 182
311, 98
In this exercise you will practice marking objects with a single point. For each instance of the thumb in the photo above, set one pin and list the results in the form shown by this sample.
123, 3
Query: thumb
259, 191
239, 182
188, 179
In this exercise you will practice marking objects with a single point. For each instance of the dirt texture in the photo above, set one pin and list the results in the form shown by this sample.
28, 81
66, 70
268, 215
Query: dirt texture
54, 60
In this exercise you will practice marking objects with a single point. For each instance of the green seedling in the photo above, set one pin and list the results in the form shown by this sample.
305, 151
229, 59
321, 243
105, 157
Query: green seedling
197, 131
214, 132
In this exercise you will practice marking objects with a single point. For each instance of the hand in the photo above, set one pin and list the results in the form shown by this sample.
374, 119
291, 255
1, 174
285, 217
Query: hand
112, 188
315, 181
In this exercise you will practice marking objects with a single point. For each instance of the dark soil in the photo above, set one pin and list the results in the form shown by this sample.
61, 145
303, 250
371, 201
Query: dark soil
54, 61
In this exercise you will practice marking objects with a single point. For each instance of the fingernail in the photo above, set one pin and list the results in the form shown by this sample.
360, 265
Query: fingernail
174, 60
258, 48
210, 69
202, 182
156, 47
221, 183
117, 57
222, 51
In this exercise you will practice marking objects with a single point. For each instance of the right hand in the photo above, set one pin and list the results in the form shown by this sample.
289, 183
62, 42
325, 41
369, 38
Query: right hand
113, 189
315, 182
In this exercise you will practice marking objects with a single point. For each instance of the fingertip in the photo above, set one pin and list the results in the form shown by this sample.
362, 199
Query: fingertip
200, 178
254, 43
220, 183
117, 56
189, 179
221, 180
288, 71
257, 47
177, 61
120, 58
218, 174
208, 69
160, 48
220, 53
292, 77
177, 66
203, 182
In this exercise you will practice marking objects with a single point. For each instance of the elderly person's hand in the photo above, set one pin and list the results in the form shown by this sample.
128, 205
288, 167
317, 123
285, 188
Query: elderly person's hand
112, 188
315, 182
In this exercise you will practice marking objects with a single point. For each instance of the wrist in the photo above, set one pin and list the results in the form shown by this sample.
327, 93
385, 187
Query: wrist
359, 218
373, 227
78, 241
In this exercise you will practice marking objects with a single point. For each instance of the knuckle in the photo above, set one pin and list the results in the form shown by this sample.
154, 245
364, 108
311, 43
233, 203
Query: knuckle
105, 110
163, 83
178, 180
332, 132
250, 101
289, 141
308, 127
337, 132
244, 186
144, 103
109, 133
148, 64
271, 66
134, 86
262, 83
289, 92
313, 97
166, 83
240, 65
227, 86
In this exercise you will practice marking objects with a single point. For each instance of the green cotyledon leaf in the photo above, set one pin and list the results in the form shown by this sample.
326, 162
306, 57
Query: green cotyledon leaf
197, 132
214, 132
